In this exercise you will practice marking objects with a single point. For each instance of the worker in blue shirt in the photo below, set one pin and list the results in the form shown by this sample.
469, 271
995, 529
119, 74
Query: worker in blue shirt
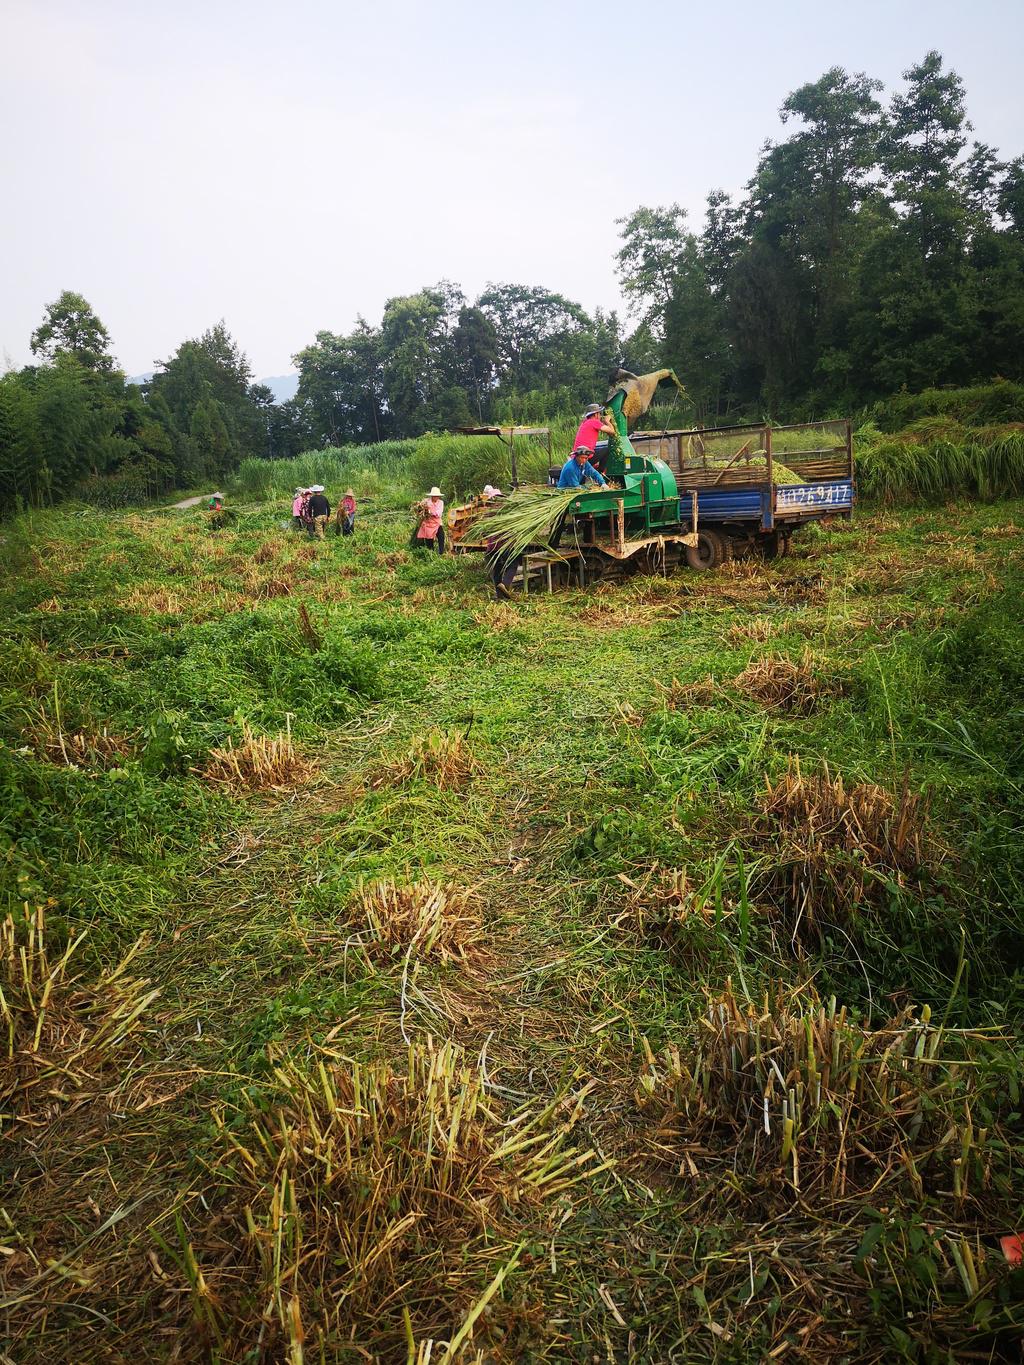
577, 469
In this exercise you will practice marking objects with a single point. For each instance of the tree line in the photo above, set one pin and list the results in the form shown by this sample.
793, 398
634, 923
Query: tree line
874, 250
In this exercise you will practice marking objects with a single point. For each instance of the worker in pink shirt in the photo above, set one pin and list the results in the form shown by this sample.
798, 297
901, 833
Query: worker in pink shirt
431, 530
590, 429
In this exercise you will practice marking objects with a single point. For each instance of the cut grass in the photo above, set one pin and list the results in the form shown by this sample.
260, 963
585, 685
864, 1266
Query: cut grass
568, 775
422, 917
359, 1181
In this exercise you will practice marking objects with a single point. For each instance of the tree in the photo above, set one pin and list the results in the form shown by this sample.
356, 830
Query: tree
805, 198
924, 135
341, 386
476, 358
534, 329
70, 329
696, 338
654, 242
212, 370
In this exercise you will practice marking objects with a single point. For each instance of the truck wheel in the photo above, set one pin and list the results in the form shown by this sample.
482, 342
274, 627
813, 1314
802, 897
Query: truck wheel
775, 545
711, 551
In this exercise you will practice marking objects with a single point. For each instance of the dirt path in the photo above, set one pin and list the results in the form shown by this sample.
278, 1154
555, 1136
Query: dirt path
186, 503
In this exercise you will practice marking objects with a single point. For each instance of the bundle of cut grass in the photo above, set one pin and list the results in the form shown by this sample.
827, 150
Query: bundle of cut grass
59, 1034
84, 749
836, 848
258, 763
783, 684
759, 630
441, 757
529, 518
438, 921
369, 1206
677, 696
834, 1106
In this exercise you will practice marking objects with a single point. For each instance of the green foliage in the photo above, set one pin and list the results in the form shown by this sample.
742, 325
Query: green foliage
978, 406
908, 471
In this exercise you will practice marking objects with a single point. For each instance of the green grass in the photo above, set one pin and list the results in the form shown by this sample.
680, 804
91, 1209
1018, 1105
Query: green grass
611, 833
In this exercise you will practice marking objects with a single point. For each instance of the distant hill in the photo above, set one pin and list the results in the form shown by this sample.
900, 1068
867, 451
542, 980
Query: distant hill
283, 386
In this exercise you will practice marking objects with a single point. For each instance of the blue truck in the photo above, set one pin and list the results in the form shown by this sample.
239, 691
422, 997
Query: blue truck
705, 495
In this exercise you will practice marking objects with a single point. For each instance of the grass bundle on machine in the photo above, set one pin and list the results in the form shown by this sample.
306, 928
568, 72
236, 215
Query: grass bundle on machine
528, 519
836, 848
371, 1208
437, 921
59, 1034
831, 1106
259, 763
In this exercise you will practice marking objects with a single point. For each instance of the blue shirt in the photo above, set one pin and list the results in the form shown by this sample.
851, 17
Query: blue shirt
574, 475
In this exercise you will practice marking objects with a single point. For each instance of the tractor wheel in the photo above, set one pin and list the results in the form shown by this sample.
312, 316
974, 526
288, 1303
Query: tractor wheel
711, 551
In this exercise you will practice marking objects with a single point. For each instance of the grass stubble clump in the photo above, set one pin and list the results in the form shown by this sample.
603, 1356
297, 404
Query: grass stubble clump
429, 919
258, 763
386, 1204
833, 848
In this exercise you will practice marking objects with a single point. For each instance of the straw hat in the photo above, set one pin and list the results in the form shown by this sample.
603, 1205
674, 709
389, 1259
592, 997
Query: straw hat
349, 493
435, 492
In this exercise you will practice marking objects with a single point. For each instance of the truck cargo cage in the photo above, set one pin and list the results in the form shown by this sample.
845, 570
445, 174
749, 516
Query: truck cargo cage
806, 453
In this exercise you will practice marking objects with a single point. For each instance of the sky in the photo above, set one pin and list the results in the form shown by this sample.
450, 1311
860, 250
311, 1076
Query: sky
290, 167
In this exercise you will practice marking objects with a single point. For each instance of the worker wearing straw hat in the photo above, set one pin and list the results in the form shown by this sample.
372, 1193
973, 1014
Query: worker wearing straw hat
430, 531
345, 517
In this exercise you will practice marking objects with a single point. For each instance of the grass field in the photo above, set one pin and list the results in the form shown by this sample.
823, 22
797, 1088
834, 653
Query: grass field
393, 975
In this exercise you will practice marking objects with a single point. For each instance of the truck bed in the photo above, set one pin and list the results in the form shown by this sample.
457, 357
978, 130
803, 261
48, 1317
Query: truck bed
767, 505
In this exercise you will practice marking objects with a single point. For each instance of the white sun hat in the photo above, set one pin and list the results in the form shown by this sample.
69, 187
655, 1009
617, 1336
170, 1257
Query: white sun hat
435, 492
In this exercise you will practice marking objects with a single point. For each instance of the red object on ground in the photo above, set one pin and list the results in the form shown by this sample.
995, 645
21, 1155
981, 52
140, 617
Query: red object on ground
1013, 1249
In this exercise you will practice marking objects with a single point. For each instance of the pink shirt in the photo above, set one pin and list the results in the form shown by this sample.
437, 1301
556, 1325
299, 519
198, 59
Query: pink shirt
590, 430
431, 523
297, 502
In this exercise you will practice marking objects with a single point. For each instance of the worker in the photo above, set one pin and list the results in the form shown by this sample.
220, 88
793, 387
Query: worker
319, 511
577, 469
590, 429
345, 518
430, 531
503, 564
298, 509
490, 492
215, 502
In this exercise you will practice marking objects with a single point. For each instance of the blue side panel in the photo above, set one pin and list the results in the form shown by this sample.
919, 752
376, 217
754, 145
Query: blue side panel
803, 498
724, 504
753, 503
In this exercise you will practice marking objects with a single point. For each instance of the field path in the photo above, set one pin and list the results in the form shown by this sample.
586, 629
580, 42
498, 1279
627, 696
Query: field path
186, 503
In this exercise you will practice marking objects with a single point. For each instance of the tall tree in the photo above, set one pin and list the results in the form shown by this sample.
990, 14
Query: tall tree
654, 242
70, 329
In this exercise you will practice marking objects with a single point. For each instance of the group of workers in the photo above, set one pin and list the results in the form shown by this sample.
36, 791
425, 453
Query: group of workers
311, 512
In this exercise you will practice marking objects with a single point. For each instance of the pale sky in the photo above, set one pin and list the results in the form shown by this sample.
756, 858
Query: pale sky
287, 167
